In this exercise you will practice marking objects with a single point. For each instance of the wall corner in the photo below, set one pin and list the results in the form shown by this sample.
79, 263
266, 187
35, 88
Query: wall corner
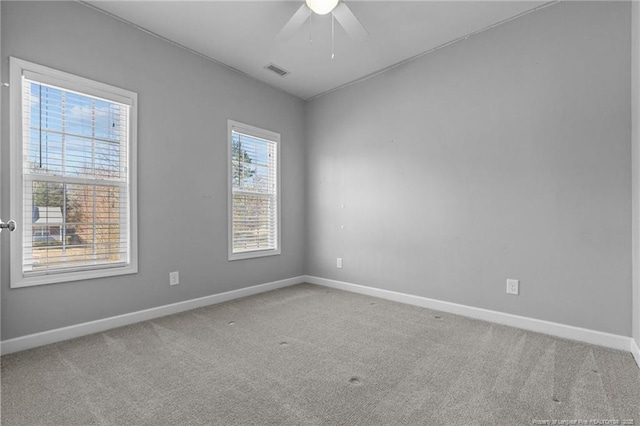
635, 147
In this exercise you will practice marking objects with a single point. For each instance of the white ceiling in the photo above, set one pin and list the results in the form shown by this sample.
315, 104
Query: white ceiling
241, 34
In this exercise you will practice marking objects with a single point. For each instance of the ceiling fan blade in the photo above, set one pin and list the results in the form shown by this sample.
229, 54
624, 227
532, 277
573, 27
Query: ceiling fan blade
297, 20
349, 22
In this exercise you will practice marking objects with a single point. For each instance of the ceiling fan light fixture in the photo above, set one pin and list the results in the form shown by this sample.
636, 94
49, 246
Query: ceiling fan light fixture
322, 7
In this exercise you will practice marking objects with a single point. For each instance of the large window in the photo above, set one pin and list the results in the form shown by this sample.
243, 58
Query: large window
254, 206
73, 177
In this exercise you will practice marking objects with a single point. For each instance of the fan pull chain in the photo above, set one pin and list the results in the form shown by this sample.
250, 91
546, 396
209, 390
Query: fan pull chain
310, 32
333, 27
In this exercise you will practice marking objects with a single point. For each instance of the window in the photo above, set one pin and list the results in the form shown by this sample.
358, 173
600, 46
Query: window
73, 185
254, 187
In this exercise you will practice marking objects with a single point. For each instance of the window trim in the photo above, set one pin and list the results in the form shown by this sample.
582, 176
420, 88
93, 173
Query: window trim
262, 134
74, 83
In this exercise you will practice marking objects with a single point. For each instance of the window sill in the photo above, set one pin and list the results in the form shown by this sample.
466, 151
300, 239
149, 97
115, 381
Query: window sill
253, 254
20, 280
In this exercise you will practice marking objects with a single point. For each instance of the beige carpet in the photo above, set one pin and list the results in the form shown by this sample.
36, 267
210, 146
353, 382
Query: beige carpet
312, 355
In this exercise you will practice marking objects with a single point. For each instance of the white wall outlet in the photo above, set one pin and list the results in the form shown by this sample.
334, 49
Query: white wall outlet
174, 278
513, 287
339, 263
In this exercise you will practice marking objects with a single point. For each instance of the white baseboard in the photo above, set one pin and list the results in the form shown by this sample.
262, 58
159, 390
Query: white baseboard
545, 327
635, 350
73, 331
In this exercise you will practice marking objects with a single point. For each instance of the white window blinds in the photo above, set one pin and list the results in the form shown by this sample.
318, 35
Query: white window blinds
75, 180
254, 193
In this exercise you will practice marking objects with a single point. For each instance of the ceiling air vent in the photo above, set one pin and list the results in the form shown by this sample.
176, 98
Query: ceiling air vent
277, 70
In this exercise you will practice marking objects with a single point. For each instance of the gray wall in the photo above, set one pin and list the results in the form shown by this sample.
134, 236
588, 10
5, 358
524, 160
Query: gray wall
184, 104
2, 95
635, 77
504, 156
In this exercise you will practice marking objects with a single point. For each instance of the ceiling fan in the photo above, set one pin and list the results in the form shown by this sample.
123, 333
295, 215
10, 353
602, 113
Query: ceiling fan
337, 8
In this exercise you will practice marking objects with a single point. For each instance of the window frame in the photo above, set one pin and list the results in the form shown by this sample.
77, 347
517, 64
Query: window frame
72, 83
268, 135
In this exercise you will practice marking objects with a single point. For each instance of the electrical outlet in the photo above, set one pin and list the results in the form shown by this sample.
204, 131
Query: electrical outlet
339, 263
513, 287
174, 278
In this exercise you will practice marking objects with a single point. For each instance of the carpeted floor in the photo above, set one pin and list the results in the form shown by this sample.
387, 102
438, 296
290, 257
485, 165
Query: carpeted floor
312, 355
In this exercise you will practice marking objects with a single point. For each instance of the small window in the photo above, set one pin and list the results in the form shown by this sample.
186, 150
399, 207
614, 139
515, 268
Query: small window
73, 177
254, 187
